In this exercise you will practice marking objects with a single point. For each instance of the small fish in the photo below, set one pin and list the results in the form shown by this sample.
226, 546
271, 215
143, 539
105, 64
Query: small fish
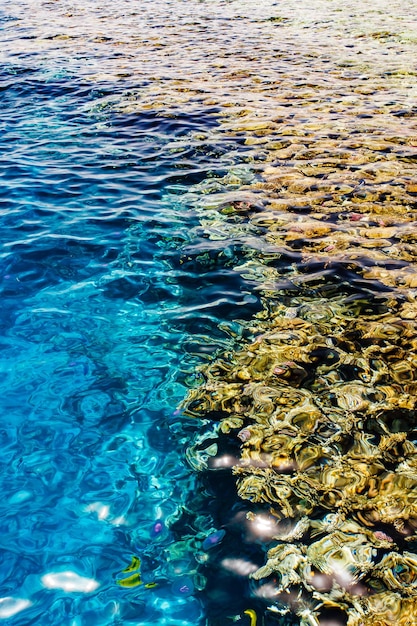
151, 585
157, 528
135, 579
252, 615
131, 581
183, 586
133, 566
213, 540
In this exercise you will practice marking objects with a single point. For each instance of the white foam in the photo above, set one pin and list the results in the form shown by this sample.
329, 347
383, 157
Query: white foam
69, 581
11, 606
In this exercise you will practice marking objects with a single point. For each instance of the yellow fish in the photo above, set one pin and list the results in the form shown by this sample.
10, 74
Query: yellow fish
131, 581
252, 615
135, 579
134, 565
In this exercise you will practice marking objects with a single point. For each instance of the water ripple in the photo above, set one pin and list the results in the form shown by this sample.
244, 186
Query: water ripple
171, 172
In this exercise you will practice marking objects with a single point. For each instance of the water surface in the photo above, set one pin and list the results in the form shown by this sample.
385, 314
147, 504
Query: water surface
169, 170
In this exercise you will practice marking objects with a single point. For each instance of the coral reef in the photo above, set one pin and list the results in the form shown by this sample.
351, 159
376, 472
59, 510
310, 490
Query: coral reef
319, 219
325, 413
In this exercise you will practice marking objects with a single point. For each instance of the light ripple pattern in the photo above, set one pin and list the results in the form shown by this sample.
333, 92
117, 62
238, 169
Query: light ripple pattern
168, 170
100, 331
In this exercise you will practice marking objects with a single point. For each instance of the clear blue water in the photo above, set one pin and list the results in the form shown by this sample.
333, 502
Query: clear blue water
101, 330
124, 126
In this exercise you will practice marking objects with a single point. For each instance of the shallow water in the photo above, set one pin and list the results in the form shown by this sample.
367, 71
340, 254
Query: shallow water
169, 171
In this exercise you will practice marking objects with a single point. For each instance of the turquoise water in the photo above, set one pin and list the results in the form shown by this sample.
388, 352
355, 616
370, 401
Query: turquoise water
101, 329
89, 357
141, 149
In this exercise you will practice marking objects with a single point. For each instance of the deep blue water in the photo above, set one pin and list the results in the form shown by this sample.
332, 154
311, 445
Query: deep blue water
101, 330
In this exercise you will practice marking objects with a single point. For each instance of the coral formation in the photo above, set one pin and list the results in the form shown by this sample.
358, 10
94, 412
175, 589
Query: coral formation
325, 413
320, 220
322, 398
